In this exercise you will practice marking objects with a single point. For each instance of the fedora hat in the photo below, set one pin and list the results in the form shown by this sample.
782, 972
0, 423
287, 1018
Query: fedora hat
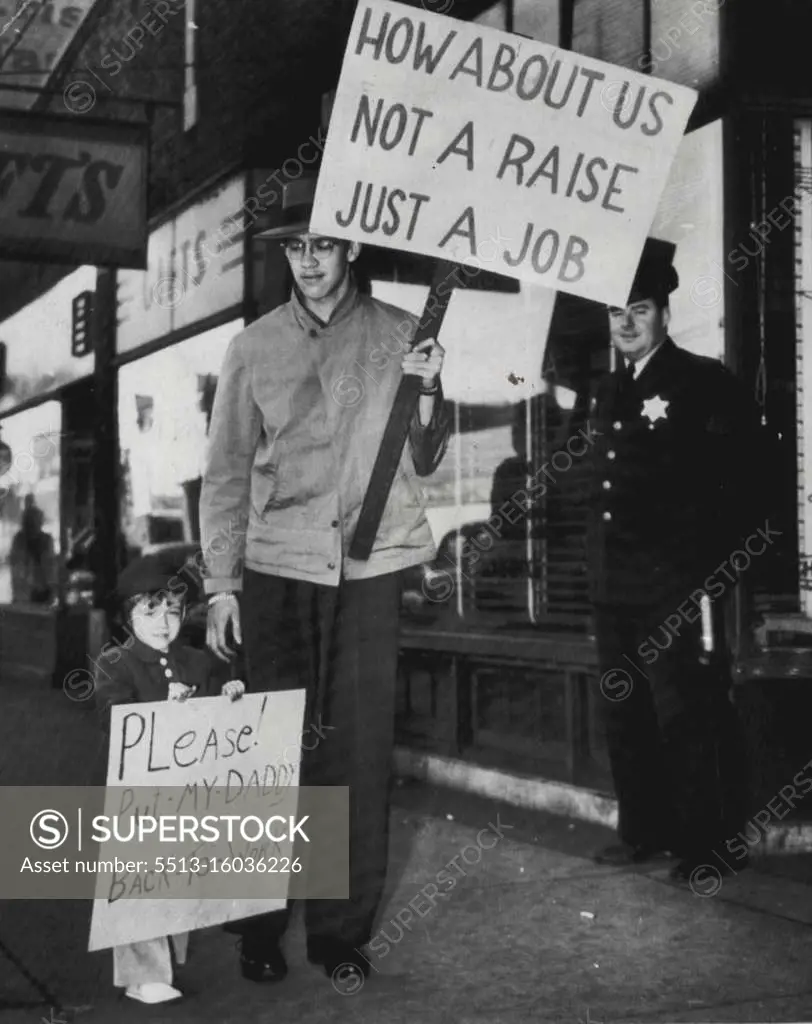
292, 215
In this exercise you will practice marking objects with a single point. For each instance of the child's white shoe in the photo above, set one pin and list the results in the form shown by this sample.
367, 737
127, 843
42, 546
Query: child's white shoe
153, 992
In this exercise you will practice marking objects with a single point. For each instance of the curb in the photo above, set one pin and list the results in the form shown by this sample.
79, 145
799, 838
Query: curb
537, 794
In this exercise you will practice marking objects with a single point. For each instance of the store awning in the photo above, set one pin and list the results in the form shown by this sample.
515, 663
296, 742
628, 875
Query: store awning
34, 36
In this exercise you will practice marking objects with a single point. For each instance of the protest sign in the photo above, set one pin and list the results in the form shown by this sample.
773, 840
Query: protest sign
480, 147
214, 753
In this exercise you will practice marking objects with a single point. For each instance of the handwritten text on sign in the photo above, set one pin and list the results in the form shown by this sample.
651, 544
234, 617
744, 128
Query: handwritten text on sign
478, 146
194, 756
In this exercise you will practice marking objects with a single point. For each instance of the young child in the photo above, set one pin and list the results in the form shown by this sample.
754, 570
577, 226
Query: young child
151, 666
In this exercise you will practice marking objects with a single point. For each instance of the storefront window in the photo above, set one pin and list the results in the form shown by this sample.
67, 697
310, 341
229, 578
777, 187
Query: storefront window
494, 528
690, 215
506, 505
611, 30
29, 506
38, 342
165, 403
538, 19
685, 42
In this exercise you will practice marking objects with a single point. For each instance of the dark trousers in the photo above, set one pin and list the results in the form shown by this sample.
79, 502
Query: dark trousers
341, 645
674, 745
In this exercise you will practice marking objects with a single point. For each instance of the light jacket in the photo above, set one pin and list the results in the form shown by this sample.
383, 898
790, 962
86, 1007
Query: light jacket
298, 418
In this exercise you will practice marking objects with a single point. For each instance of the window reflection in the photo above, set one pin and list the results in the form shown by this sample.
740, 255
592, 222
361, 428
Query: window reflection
165, 405
29, 506
507, 522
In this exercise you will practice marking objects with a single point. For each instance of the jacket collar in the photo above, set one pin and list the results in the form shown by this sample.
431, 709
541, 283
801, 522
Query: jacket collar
655, 374
305, 319
659, 370
148, 654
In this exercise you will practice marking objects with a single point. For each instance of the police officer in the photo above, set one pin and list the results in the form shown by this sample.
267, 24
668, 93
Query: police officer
669, 509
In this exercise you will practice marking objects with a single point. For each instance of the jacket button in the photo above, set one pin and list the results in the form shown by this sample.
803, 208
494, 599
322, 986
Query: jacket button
331, 565
607, 516
611, 454
607, 484
617, 425
168, 673
313, 332
335, 524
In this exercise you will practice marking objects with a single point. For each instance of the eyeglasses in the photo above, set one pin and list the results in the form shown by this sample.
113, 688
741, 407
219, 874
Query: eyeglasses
295, 248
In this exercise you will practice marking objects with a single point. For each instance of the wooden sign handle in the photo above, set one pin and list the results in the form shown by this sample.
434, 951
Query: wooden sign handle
400, 418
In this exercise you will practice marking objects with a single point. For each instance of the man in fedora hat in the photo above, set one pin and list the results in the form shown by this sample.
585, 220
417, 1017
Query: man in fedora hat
669, 506
301, 406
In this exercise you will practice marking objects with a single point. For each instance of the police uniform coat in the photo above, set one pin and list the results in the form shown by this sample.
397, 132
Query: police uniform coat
669, 497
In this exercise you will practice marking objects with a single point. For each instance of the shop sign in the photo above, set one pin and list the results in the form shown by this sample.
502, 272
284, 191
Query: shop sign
194, 270
478, 146
72, 191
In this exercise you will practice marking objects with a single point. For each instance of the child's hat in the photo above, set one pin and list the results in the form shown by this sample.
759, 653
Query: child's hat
145, 575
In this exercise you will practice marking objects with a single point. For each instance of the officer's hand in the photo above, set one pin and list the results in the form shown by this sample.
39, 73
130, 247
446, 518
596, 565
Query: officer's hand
426, 360
221, 613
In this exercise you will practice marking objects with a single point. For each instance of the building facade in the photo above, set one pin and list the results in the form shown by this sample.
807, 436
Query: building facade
498, 658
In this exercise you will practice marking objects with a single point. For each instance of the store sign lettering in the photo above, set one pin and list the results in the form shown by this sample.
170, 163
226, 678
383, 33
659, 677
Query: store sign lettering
72, 192
32, 186
195, 269
186, 264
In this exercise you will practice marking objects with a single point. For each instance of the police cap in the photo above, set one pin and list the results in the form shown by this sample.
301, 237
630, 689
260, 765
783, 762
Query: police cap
656, 277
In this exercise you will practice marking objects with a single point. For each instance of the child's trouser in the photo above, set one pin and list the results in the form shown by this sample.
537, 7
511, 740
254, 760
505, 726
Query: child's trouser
138, 963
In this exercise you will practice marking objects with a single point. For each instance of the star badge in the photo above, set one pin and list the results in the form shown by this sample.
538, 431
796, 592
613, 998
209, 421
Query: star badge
655, 409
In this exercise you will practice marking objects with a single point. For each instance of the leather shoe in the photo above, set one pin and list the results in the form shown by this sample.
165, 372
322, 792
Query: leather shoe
267, 969
332, 954
622, 854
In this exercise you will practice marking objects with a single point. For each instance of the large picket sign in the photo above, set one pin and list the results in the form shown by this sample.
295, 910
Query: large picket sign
478, 146
216, 753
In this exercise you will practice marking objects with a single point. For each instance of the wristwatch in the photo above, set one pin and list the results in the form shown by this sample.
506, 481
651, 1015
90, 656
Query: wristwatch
222, 595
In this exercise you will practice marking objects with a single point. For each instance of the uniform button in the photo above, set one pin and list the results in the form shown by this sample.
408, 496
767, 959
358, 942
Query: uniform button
331, 565
607, 516
610, 455
163, 661
617, 425
168, 673
607, 484
313, 332
335, 524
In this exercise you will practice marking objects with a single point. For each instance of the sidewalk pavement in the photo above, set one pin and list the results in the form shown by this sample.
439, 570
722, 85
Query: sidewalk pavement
531, 929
